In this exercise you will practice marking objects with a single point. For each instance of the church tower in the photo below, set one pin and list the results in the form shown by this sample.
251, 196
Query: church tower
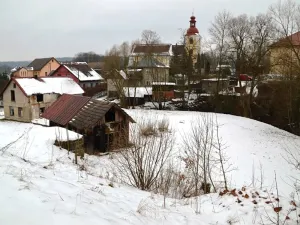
193, 40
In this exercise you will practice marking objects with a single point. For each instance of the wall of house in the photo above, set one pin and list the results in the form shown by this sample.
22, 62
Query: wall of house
21, 101
165, 59
89, 84
284, 60
64, 72
51, 65
23, 73
151, 75
111, 85
38, 107
29, 105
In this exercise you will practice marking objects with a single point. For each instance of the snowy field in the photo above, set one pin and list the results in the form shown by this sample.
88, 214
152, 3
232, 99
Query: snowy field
40, 184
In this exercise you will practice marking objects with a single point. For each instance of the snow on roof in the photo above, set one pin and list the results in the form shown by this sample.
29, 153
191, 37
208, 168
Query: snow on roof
138, 92
82, 71
123, 74
163, 83
59, 85
92, 75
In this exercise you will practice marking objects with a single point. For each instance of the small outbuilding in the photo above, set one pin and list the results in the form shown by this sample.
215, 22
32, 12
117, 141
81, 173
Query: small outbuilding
104, 125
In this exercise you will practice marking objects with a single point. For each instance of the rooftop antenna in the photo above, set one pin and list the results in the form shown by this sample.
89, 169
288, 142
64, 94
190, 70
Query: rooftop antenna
193, 12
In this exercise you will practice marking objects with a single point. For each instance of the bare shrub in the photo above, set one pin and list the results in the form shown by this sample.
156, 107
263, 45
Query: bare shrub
163, 125
141, 164
148, 128
205, 158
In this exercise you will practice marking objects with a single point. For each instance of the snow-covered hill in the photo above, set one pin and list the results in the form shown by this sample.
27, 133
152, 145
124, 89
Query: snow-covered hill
39, 183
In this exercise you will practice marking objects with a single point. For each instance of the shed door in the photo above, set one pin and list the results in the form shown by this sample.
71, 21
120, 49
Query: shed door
99, 139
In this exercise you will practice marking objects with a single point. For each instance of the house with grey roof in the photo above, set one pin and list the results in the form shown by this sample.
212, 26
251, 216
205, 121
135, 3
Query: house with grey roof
41, 67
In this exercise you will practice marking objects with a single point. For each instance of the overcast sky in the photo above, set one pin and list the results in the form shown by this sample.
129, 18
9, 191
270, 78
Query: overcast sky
42, 28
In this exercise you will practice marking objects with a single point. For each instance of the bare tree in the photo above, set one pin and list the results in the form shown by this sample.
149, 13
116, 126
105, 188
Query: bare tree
150, 37
257, 51
198, 145
219, 33
239, 33
142, 163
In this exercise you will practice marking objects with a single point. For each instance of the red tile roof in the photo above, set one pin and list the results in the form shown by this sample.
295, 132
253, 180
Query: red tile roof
89, 115
65, 108
81, 112
293, 39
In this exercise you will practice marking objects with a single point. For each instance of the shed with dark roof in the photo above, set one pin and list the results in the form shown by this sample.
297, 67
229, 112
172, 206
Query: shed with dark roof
104, 125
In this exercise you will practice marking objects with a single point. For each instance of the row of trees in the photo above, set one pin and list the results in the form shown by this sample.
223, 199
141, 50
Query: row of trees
247, 43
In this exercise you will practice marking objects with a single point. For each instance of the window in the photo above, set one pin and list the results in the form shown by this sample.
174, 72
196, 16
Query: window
11, 111
20, 111
191, 41
46, 73
42, 110
83, 85
12, 96
59, 75
14, 85
40, 98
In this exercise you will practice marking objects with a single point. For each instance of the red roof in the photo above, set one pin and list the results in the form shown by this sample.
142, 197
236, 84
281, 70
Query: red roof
293, 40
65, 108
192, 30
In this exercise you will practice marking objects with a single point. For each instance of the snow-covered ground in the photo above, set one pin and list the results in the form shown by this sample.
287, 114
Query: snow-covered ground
39, 183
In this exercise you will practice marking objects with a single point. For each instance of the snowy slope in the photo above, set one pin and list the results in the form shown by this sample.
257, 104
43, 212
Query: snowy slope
40, 184
249, 143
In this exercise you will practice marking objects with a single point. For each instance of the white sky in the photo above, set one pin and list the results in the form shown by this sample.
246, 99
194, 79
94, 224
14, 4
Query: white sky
59, 28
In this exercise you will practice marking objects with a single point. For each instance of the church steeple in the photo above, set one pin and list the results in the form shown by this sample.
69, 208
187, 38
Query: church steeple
192, 30
193, 40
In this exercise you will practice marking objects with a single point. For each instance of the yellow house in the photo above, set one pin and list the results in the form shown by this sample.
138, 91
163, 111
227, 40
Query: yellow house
37, 68
285, 55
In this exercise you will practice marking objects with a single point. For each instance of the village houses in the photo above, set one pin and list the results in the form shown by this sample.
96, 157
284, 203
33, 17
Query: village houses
150, 63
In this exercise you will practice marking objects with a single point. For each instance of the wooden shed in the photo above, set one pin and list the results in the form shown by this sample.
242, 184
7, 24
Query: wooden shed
104, 125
